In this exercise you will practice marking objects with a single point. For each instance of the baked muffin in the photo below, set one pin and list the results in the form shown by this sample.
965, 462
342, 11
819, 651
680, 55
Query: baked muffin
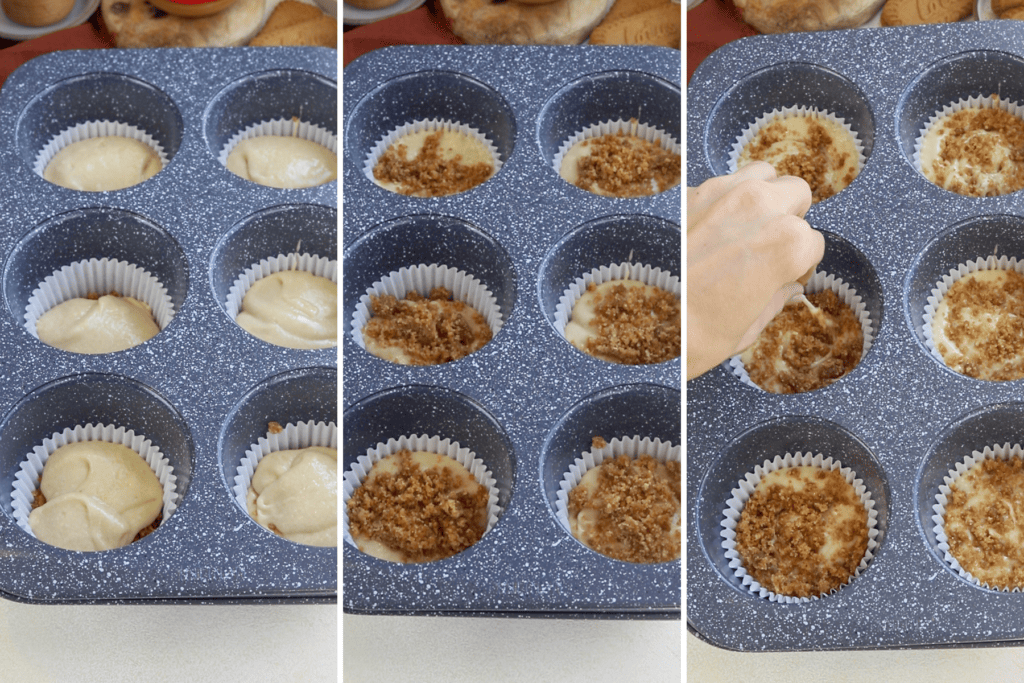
629, 508
433, 163
803, 532
978, 326
815, 148
807, 346
628, 322
984, 522
417, 506
975, 152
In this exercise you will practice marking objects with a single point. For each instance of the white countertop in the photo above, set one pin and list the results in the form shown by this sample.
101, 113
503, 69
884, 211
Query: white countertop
457, 649
155, 643
709, 664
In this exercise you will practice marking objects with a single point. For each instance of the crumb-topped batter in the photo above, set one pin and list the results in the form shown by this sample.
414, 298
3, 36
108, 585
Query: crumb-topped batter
417, 507
433, 164
984, 522
628, 322
424, 331
621, 165
977, 152
978, 327
629, 509
803, 532
803, 349
818, 150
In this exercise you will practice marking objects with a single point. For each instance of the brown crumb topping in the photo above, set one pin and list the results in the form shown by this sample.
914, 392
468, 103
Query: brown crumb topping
800, 350
635, 325
821, 157
985, 322
624, 165
428, 174
38, 500
985, 522
430, 331
967, 160
783, 534
274, 428
419, 513
635, 506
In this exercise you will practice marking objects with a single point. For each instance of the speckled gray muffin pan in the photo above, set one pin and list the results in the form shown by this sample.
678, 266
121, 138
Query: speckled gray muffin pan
527, 403
900, 419
202, 390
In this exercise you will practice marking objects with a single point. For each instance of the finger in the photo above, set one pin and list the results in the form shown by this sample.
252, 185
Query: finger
790, 247
795, 194
775, 304
699, 199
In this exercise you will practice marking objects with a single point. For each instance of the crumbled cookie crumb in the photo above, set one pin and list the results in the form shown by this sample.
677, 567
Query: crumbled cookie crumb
418, 512
428, 174
430, 330
984, 522
635, 506
598, 442
624, 165
274, 428
635, 325
985, 324
800, 350
803, 543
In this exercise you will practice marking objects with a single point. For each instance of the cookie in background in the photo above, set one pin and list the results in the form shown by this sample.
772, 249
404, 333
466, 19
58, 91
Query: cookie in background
641, 22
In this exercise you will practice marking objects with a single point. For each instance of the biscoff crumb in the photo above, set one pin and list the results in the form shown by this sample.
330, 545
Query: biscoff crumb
420, 513
38, 500
803, 543
274, 428
429, 331
623, 165
821, 157
634, 325
800, 350
985, 324
634, 505
979, 165
598, 442
984, 522
428, 174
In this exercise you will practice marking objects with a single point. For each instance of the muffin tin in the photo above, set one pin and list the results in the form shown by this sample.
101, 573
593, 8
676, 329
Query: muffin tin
900, 419
202, 390
528, 402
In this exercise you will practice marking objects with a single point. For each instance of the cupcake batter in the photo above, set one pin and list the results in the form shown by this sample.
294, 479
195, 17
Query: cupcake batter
105, 324
103, 163
292, 308
294, 493
283, 161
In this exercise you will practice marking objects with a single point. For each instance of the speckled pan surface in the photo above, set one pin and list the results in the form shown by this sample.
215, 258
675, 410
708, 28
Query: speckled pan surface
527, 403
900, 419
203, 389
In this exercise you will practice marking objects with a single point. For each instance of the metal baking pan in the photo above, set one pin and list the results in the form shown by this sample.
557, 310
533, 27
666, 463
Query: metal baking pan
528, 402
203, 390
900, 419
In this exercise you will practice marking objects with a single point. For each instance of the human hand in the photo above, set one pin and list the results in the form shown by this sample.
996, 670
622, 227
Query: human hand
748, 250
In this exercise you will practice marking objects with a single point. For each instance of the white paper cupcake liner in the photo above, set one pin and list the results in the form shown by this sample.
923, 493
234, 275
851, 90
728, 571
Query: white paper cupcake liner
938, 292
422, 279
317, 265
360, 469
293, 436
988, 102
26, 479
284, 128
819, 282
760, 122
745, 488
95, 129
613, 127
99, 276
1001, 452
633, 446
430, 125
